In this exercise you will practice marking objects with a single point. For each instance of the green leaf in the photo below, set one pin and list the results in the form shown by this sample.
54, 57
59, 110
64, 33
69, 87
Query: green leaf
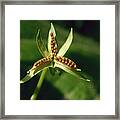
70, 71
73, 89
66, 45
40, 44
52, 30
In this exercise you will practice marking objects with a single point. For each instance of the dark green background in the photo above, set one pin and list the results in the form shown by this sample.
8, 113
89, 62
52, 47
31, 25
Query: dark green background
84, 51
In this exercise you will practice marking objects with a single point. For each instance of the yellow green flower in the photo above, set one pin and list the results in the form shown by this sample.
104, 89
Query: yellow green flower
52, 57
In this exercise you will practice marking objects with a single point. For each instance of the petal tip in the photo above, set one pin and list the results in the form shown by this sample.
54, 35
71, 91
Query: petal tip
31, 97
78, 69
28, 72
21, 82
51, 24
88, 80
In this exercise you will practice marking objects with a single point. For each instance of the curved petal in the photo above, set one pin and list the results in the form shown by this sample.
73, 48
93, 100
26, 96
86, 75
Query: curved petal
70, 71
37, 67
52, 46
26, 78
41, 45
66, 45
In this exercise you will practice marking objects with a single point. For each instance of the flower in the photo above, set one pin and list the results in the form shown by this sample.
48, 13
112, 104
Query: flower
52, 57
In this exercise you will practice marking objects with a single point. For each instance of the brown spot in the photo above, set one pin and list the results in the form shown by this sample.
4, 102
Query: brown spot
60, 59
37, 64
51, 34
68, 64
49, 59
52, 49
44, 59
69, 61
71, 65
53, 42
52, 45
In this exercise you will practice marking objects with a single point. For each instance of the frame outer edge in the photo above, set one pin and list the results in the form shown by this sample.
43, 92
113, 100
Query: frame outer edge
117, 12
2, 54
2, 59
59, 2
0, 67
118, 60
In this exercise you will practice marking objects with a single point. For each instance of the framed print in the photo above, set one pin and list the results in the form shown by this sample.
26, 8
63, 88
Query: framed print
60, 60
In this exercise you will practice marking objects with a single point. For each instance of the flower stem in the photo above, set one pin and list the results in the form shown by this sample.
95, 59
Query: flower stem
37, 89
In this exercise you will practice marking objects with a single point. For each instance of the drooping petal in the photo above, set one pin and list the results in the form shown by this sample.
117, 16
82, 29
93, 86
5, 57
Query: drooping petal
66, 45
70, 70
26, 78
41, 46
52, 45
40, 64
37, 67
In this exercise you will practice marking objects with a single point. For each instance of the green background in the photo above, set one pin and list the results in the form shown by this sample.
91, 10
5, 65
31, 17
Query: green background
84, 51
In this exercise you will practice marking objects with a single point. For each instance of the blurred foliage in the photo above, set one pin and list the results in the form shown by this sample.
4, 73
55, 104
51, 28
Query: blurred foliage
84, 51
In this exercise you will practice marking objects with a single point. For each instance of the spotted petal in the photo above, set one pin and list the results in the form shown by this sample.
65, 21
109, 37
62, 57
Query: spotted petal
37, 67
52, 46
66, 45
73, 72
40, 44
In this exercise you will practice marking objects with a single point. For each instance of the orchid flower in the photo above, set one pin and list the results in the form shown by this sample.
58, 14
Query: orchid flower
52, 57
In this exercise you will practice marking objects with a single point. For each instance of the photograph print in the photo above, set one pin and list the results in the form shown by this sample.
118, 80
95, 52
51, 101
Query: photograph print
59, 59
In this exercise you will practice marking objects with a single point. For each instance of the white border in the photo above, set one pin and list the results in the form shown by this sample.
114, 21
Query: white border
106, 15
